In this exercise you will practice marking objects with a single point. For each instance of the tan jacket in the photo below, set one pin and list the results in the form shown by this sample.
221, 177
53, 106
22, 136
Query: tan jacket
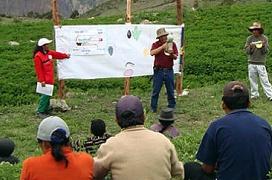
138, 153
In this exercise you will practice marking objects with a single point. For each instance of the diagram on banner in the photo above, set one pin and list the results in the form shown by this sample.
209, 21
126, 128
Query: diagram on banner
109, 51
89, 42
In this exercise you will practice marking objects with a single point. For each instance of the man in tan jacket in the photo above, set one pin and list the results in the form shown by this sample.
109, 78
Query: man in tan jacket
136, 152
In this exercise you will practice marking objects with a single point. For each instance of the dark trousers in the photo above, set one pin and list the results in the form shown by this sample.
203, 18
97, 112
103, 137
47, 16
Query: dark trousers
166, 76
193, 171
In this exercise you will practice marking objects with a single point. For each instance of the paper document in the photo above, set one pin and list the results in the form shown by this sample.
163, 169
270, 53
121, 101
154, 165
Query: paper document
47, 90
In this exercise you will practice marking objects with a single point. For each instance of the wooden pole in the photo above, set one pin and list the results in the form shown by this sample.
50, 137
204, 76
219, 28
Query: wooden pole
128, 20
128, 14
56, 21
179, 77
55, 14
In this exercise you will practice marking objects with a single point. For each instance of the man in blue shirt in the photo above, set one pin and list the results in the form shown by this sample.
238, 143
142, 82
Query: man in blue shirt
238, 145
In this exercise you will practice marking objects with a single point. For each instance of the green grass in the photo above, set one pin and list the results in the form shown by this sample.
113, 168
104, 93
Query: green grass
214, 55
194, 113
214, 47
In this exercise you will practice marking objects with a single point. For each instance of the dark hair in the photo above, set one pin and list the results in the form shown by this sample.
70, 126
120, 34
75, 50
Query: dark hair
58, 140
38, 49
129, 118
165, 125
7, 147
98, 127
238, 101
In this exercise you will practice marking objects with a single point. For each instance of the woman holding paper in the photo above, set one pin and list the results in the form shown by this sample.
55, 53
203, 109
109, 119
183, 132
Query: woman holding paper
44, 67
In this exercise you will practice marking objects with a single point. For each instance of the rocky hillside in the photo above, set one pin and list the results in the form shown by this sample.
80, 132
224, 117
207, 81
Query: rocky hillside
66, 7
98, 7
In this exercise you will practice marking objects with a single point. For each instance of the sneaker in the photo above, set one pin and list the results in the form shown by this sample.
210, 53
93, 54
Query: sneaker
270, 99
42, 115
254, 98
64, 106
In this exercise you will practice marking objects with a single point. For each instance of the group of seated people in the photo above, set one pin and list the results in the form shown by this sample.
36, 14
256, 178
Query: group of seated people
236, 146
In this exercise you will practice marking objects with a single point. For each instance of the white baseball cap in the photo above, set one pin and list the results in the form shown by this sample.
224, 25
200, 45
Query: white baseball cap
44, 41
49, 125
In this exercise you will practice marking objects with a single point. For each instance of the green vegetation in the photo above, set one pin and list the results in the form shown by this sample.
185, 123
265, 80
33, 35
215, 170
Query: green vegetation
214, 48
214, 54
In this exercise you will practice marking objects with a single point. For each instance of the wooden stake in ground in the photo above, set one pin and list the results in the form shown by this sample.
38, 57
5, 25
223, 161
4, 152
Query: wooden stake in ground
56, 21
128, 20
179, 76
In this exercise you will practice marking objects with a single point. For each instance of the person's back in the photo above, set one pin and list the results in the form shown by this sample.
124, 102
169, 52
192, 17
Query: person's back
237, 145
244, 146
133, 153
44, 167
166, 127
136, 152
92, 143
58, 161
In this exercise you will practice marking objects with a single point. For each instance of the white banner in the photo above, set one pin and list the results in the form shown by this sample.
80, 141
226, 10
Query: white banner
106, 51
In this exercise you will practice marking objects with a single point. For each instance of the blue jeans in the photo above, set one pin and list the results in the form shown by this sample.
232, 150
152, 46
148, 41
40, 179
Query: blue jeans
166, 76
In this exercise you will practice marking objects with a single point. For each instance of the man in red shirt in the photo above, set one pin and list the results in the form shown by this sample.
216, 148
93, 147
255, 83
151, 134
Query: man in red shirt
44, 66
165, 52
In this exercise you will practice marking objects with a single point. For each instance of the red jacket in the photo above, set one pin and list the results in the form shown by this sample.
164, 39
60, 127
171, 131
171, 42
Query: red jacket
44, 65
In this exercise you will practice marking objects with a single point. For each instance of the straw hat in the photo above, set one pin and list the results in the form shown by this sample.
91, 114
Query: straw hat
161, 32
256, 25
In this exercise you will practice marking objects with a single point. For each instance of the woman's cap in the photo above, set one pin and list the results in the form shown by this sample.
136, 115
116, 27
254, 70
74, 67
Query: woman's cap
49, 125
44, 41
167, 114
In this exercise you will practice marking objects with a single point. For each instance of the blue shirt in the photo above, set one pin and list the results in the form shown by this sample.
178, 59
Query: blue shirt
239, 144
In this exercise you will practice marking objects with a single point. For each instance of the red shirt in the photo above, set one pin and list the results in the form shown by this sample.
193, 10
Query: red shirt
44, 167
162, 60
44, 65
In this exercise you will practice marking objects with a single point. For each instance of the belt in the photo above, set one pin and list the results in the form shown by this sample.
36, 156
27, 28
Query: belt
256, 63
162, 68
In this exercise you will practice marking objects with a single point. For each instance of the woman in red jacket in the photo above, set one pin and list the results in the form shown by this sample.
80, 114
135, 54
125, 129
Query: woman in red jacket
44, 67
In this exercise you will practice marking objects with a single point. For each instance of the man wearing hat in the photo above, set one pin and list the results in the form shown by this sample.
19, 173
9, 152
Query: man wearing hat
237, 145
136, 152
163, 68
256, 48
166, 119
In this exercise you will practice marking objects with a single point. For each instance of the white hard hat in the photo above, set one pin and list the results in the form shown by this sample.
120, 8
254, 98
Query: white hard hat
44, 41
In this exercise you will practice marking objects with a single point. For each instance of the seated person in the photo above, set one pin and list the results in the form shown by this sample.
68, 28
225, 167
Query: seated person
98, 129
166, 119
136, 153
58, 160
238, 145
6, 149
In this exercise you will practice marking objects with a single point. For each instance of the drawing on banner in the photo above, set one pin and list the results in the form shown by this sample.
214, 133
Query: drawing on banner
110, 50
136, 33
129, 69
89, 42
146, 52
129, 34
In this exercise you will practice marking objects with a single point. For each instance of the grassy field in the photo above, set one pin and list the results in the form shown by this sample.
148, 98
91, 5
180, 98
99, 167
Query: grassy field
194, 113
214, 55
